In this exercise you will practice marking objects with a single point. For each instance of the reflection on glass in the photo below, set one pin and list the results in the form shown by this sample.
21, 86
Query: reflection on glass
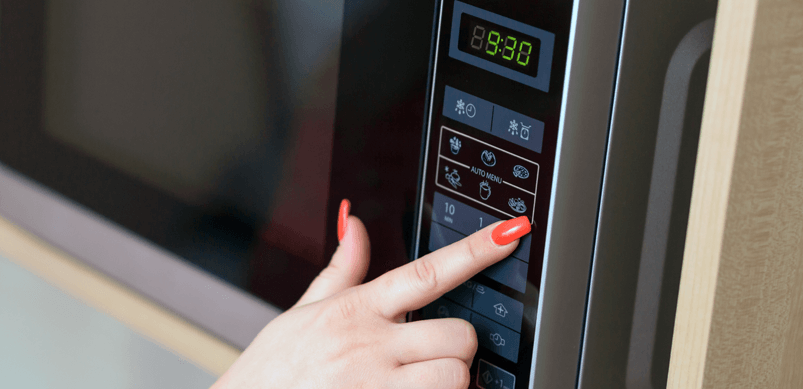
227, 106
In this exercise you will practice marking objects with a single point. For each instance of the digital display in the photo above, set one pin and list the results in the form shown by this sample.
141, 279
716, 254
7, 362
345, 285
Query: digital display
499, 45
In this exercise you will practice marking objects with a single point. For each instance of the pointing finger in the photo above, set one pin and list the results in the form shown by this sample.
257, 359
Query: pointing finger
420, 282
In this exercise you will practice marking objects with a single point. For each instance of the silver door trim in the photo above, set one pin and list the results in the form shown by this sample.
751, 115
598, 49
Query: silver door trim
577, 181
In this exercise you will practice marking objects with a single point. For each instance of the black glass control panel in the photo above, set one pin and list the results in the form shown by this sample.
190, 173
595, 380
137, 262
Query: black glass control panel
489, 155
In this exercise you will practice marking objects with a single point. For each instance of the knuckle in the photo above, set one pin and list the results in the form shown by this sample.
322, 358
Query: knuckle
472, 249
455, 374
366, 301
329, 273
425, 275
344, 308
470, 343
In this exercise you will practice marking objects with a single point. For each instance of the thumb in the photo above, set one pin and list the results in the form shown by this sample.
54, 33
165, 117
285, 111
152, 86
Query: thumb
349, 263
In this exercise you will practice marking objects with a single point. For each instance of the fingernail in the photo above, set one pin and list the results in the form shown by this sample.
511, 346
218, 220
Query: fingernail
511, 230
342, 218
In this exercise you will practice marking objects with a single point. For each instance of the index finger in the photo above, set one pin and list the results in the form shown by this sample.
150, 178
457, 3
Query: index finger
420, 282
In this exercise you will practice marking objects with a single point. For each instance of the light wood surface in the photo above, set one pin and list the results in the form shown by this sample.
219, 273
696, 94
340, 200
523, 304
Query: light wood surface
106, 295
739, 321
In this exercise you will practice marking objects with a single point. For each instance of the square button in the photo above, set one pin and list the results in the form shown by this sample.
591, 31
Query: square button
440, 236
442, 308
499, 307
461, 295
509, 272
497, 338
517, 128
489, 376
467, 109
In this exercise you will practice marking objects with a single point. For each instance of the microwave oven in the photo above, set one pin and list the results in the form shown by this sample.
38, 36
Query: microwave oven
197, 151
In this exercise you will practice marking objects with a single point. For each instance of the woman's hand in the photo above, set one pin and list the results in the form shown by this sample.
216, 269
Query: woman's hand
342, 334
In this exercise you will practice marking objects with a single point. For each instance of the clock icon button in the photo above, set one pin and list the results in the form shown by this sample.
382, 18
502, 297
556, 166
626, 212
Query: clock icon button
471, 110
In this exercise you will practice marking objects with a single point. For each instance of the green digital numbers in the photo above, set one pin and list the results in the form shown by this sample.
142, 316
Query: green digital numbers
493, 39
522, 53
510, 45
493, 42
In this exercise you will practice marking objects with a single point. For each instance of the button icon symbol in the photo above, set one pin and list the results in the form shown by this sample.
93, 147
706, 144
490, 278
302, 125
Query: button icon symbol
485, 190
498, 340
488, 158
525, 131
480, 289
453, 178
455, 145
492, 377
517, 205
487, 377
514, 128
471, 110
443, 312
521, 172
461, 107
500, 310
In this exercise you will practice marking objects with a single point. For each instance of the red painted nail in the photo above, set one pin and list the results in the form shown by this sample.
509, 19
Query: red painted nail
511, 230
342, 218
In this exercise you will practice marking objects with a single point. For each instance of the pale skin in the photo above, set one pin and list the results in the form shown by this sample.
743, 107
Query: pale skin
346, 334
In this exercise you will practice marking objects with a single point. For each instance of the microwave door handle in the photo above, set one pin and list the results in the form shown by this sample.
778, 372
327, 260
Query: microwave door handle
688, 53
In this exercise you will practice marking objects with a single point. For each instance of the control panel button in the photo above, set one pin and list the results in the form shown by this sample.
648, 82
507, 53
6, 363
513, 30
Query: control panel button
463, 294
510, 271
490, 376
442, 308
467, 109
440, 237
459, 216
523, 249
468, 220
496, 337
499, 308
517, 128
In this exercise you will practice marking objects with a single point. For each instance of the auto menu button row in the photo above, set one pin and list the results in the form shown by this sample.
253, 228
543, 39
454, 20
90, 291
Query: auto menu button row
492, 160
474, 185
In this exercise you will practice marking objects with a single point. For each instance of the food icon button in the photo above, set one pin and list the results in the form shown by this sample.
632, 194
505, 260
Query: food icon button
521, 172
517, 205
488, 158
455, 145
453, 178
485, 190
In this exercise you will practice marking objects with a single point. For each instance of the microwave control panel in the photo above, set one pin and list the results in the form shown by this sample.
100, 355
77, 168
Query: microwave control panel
489, 155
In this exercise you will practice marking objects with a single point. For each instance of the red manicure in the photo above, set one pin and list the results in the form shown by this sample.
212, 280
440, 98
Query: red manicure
342, 218
511, 230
